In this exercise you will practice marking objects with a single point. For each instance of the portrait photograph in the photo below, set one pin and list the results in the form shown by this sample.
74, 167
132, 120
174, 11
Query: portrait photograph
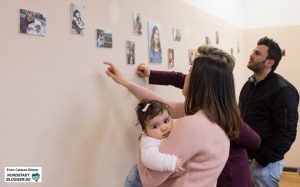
176, 34
33, 23
207, 40
154, 38
130, 52
137, 23
104, 38
191, 55
170, 58
217, 37
77, 19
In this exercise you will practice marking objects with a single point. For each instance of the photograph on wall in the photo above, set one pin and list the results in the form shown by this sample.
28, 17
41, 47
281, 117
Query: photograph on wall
32, 22
104, 39
238, 47
154, 38
191, 53
207, 40
283, 52
77, 19
176, 34
137, 23
217, 37
170, 58
130, 52
231, 51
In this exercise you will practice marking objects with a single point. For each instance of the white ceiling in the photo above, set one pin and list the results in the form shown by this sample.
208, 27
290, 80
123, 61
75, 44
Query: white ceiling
252, 13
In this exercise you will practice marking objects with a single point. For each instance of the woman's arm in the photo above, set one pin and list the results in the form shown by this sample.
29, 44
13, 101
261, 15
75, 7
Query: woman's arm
248, 138
176, 109
167, 78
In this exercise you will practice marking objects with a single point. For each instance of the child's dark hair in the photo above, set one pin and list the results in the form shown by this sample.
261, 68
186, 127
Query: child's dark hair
148, 109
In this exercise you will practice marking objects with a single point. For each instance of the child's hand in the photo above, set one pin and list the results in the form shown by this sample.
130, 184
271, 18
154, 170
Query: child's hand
178, 165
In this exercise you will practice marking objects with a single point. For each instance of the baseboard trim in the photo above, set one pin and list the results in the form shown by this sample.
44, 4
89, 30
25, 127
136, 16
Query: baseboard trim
290, 169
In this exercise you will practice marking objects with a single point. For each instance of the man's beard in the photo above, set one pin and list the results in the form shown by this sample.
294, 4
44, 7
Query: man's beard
257, 67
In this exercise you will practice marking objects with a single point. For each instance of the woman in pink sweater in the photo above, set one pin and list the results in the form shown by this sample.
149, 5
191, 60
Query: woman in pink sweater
207, 121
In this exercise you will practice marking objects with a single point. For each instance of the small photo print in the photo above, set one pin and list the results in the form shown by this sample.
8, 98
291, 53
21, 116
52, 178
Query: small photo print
130, 52
207, 40
137, 23
32, 22
154, 37
170, 58
176, 34
77, 19
231, 51
283, 52
191, 53
217, 37
104, 39
238, 47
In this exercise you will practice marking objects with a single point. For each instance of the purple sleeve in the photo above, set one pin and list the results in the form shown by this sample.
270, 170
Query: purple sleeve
167, 78
248, 138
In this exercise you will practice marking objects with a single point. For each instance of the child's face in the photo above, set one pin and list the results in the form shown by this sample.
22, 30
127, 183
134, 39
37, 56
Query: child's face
160, 126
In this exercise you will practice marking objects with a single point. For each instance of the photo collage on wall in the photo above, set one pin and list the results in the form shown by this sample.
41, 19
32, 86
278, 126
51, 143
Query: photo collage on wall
33, 23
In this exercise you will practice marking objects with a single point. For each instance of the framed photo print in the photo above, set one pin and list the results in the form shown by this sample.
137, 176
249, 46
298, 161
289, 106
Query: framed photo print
154, 37
33, 23
77, 19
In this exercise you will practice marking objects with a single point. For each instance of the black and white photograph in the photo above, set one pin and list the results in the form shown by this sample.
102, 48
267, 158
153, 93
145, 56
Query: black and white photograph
33, 23
130, 52
217, 37
207, 40
176, 34
191, 53
77, 19
137, 23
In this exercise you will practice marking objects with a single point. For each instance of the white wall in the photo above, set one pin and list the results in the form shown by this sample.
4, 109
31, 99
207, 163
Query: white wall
248, 14
60, 111
231, 11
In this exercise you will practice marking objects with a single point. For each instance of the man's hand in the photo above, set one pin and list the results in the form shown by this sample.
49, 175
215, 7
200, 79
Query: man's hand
256, 163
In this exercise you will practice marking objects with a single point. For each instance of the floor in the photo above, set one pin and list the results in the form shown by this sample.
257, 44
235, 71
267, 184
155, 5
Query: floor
290, 179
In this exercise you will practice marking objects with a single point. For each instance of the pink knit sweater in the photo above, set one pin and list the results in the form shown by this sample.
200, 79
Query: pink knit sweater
202, 146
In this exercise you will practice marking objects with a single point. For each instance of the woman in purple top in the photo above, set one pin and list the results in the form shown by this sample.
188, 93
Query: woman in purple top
236, 172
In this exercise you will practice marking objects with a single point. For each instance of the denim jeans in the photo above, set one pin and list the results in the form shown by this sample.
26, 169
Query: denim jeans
268, 176
133, 179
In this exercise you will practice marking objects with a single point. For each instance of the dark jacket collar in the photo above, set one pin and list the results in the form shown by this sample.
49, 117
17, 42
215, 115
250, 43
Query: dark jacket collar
252, 79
